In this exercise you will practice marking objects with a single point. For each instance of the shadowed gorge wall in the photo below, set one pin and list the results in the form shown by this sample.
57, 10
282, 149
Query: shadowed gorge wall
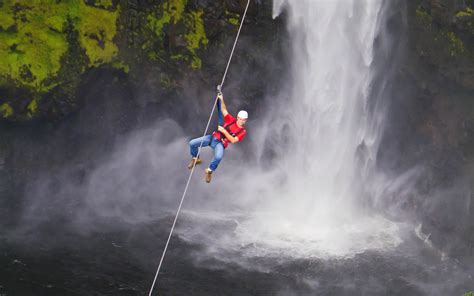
432, 121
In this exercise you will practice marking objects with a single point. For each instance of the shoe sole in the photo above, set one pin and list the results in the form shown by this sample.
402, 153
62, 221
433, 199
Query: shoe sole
208, 177
191, 166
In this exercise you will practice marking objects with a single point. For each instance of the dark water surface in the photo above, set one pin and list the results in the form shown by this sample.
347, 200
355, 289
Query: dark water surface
122, 259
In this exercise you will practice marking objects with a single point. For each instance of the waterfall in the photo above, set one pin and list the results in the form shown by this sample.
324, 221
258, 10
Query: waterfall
327, 117
325, 135
322, 133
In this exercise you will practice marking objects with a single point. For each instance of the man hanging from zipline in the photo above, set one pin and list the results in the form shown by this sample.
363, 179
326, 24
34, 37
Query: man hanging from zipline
229, 130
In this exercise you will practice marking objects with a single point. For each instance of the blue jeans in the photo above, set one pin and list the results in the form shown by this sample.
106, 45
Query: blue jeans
215, 144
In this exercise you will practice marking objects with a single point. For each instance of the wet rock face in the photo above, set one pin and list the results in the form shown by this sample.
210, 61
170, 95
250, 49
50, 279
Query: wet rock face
441, 65
434, 120
436, 80
46, 50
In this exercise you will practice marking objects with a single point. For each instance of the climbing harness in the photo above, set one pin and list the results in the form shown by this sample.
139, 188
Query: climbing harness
199, 151
222, 137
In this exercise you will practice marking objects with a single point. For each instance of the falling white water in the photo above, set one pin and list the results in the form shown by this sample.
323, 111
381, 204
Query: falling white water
327, 115
324, 138
332, 56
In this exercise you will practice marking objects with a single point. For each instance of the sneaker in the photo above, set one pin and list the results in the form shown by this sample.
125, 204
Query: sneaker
208, 175
194, 160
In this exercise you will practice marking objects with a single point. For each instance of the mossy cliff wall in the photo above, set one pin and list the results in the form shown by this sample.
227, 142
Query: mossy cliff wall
438, 78
46, 46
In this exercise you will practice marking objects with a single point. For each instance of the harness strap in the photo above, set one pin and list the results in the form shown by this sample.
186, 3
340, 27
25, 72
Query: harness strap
227, 127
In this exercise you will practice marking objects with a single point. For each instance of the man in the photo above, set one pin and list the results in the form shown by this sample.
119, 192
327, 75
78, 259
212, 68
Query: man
229, 130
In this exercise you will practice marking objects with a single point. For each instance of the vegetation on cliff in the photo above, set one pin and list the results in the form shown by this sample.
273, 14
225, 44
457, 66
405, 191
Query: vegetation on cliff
184, 28
47, 46
35, 39
440, 40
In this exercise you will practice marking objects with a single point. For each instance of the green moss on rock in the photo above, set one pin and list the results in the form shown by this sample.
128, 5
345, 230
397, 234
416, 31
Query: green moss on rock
232, 17
234, 21
104, 3
176, 21
196, 36
32, 107
423, 17
121, 66
37, 53
171, 13
32, 38
468, 12
97, 28
31, 47
6, 19
6, 110
456, 45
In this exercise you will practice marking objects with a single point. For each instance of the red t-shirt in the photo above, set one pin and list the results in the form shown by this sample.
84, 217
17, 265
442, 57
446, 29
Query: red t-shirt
234, 129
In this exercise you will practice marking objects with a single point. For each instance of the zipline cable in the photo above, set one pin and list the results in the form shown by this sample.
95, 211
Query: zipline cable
199, 151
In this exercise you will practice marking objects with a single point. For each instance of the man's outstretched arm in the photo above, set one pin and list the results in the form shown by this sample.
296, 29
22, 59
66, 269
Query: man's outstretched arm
223, 106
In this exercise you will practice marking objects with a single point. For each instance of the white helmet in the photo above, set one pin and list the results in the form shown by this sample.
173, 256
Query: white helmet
243, 114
